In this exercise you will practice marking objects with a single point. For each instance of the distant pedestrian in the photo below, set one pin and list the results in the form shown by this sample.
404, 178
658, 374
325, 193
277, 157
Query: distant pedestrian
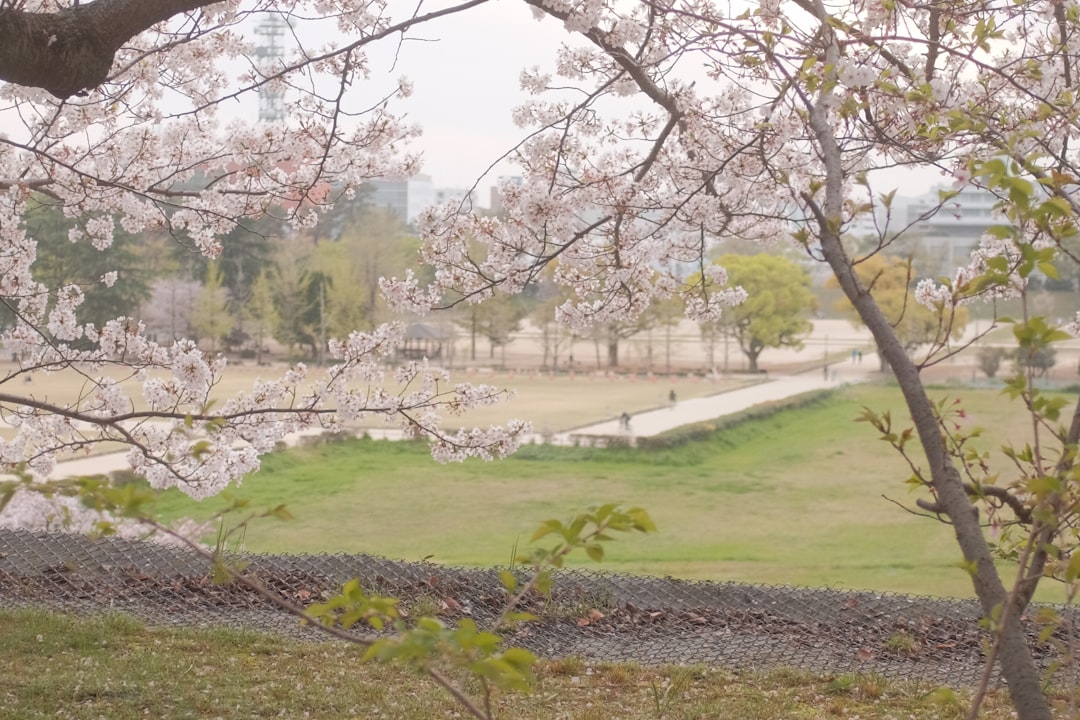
860, 357
624, 422
671, 397
854, 356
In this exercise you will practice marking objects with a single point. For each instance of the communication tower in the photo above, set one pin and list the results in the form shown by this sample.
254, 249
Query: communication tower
270, 55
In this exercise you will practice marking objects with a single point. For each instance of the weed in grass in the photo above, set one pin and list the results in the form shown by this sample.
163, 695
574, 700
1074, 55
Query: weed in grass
670, 691
567, 667
841, 685
902, 643
857, 685
791, 677
621, 674
947, 703
871, 687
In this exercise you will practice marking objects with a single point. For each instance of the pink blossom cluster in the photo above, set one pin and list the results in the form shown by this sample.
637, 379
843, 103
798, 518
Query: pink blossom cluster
958, 289
152, 150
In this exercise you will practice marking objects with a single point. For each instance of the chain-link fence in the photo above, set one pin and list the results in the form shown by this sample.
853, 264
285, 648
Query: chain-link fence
597, 616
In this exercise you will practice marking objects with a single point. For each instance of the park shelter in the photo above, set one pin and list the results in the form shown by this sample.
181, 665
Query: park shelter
422, 341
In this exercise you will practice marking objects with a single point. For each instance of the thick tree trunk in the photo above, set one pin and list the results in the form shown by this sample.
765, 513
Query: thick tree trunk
1014, 657
1016, 664
72, 50
752, 357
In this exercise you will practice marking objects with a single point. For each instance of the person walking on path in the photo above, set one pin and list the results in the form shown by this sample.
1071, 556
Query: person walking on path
671, 398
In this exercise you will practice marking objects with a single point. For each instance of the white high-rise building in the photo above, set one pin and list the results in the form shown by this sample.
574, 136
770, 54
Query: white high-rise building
940, 234
405, 198
947, 236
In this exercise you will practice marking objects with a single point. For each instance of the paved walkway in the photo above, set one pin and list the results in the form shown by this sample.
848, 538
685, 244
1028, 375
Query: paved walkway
685, 412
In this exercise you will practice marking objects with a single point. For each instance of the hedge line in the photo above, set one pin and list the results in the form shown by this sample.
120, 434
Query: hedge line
680, 436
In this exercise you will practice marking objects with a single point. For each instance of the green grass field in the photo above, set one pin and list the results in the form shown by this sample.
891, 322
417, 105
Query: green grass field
797, 498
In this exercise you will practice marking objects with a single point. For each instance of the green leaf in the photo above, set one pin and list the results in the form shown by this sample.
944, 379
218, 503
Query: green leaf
1042, 486
543, 583
642, 521
1048, 269
508, 580
548, 527
281, 513
201, 448
1072, 570
519, 657
1001, 232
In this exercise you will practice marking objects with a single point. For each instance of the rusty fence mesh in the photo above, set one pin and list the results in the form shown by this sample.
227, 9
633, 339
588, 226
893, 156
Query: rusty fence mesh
594, 615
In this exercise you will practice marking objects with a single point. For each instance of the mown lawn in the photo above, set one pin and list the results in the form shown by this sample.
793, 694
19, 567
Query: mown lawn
805, 497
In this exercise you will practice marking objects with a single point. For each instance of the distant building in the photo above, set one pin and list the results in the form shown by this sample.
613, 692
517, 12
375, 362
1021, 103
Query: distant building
405, 198
408, 198
497, 207
466, 196
941, 235
950, 234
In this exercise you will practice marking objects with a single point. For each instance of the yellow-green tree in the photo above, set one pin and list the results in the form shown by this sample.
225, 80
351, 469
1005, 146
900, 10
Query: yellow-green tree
890, 279
776, 311
373, 244
261, 313
212, 319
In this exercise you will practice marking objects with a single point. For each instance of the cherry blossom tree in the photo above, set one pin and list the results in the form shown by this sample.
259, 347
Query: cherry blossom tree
672, 123
782, 119
113, 120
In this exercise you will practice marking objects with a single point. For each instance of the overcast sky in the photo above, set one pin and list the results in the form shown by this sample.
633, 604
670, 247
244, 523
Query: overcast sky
466, 86
465, 80
465, 71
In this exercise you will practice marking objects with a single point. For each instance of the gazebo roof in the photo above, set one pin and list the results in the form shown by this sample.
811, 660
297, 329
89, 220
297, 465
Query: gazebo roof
422, 331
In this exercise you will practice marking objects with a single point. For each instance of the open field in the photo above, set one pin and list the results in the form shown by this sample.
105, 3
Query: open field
114, 667
793, 499
564, 402
556, 403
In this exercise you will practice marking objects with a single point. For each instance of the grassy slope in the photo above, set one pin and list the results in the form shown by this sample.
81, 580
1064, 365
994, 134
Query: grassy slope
793, 499
112, 667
